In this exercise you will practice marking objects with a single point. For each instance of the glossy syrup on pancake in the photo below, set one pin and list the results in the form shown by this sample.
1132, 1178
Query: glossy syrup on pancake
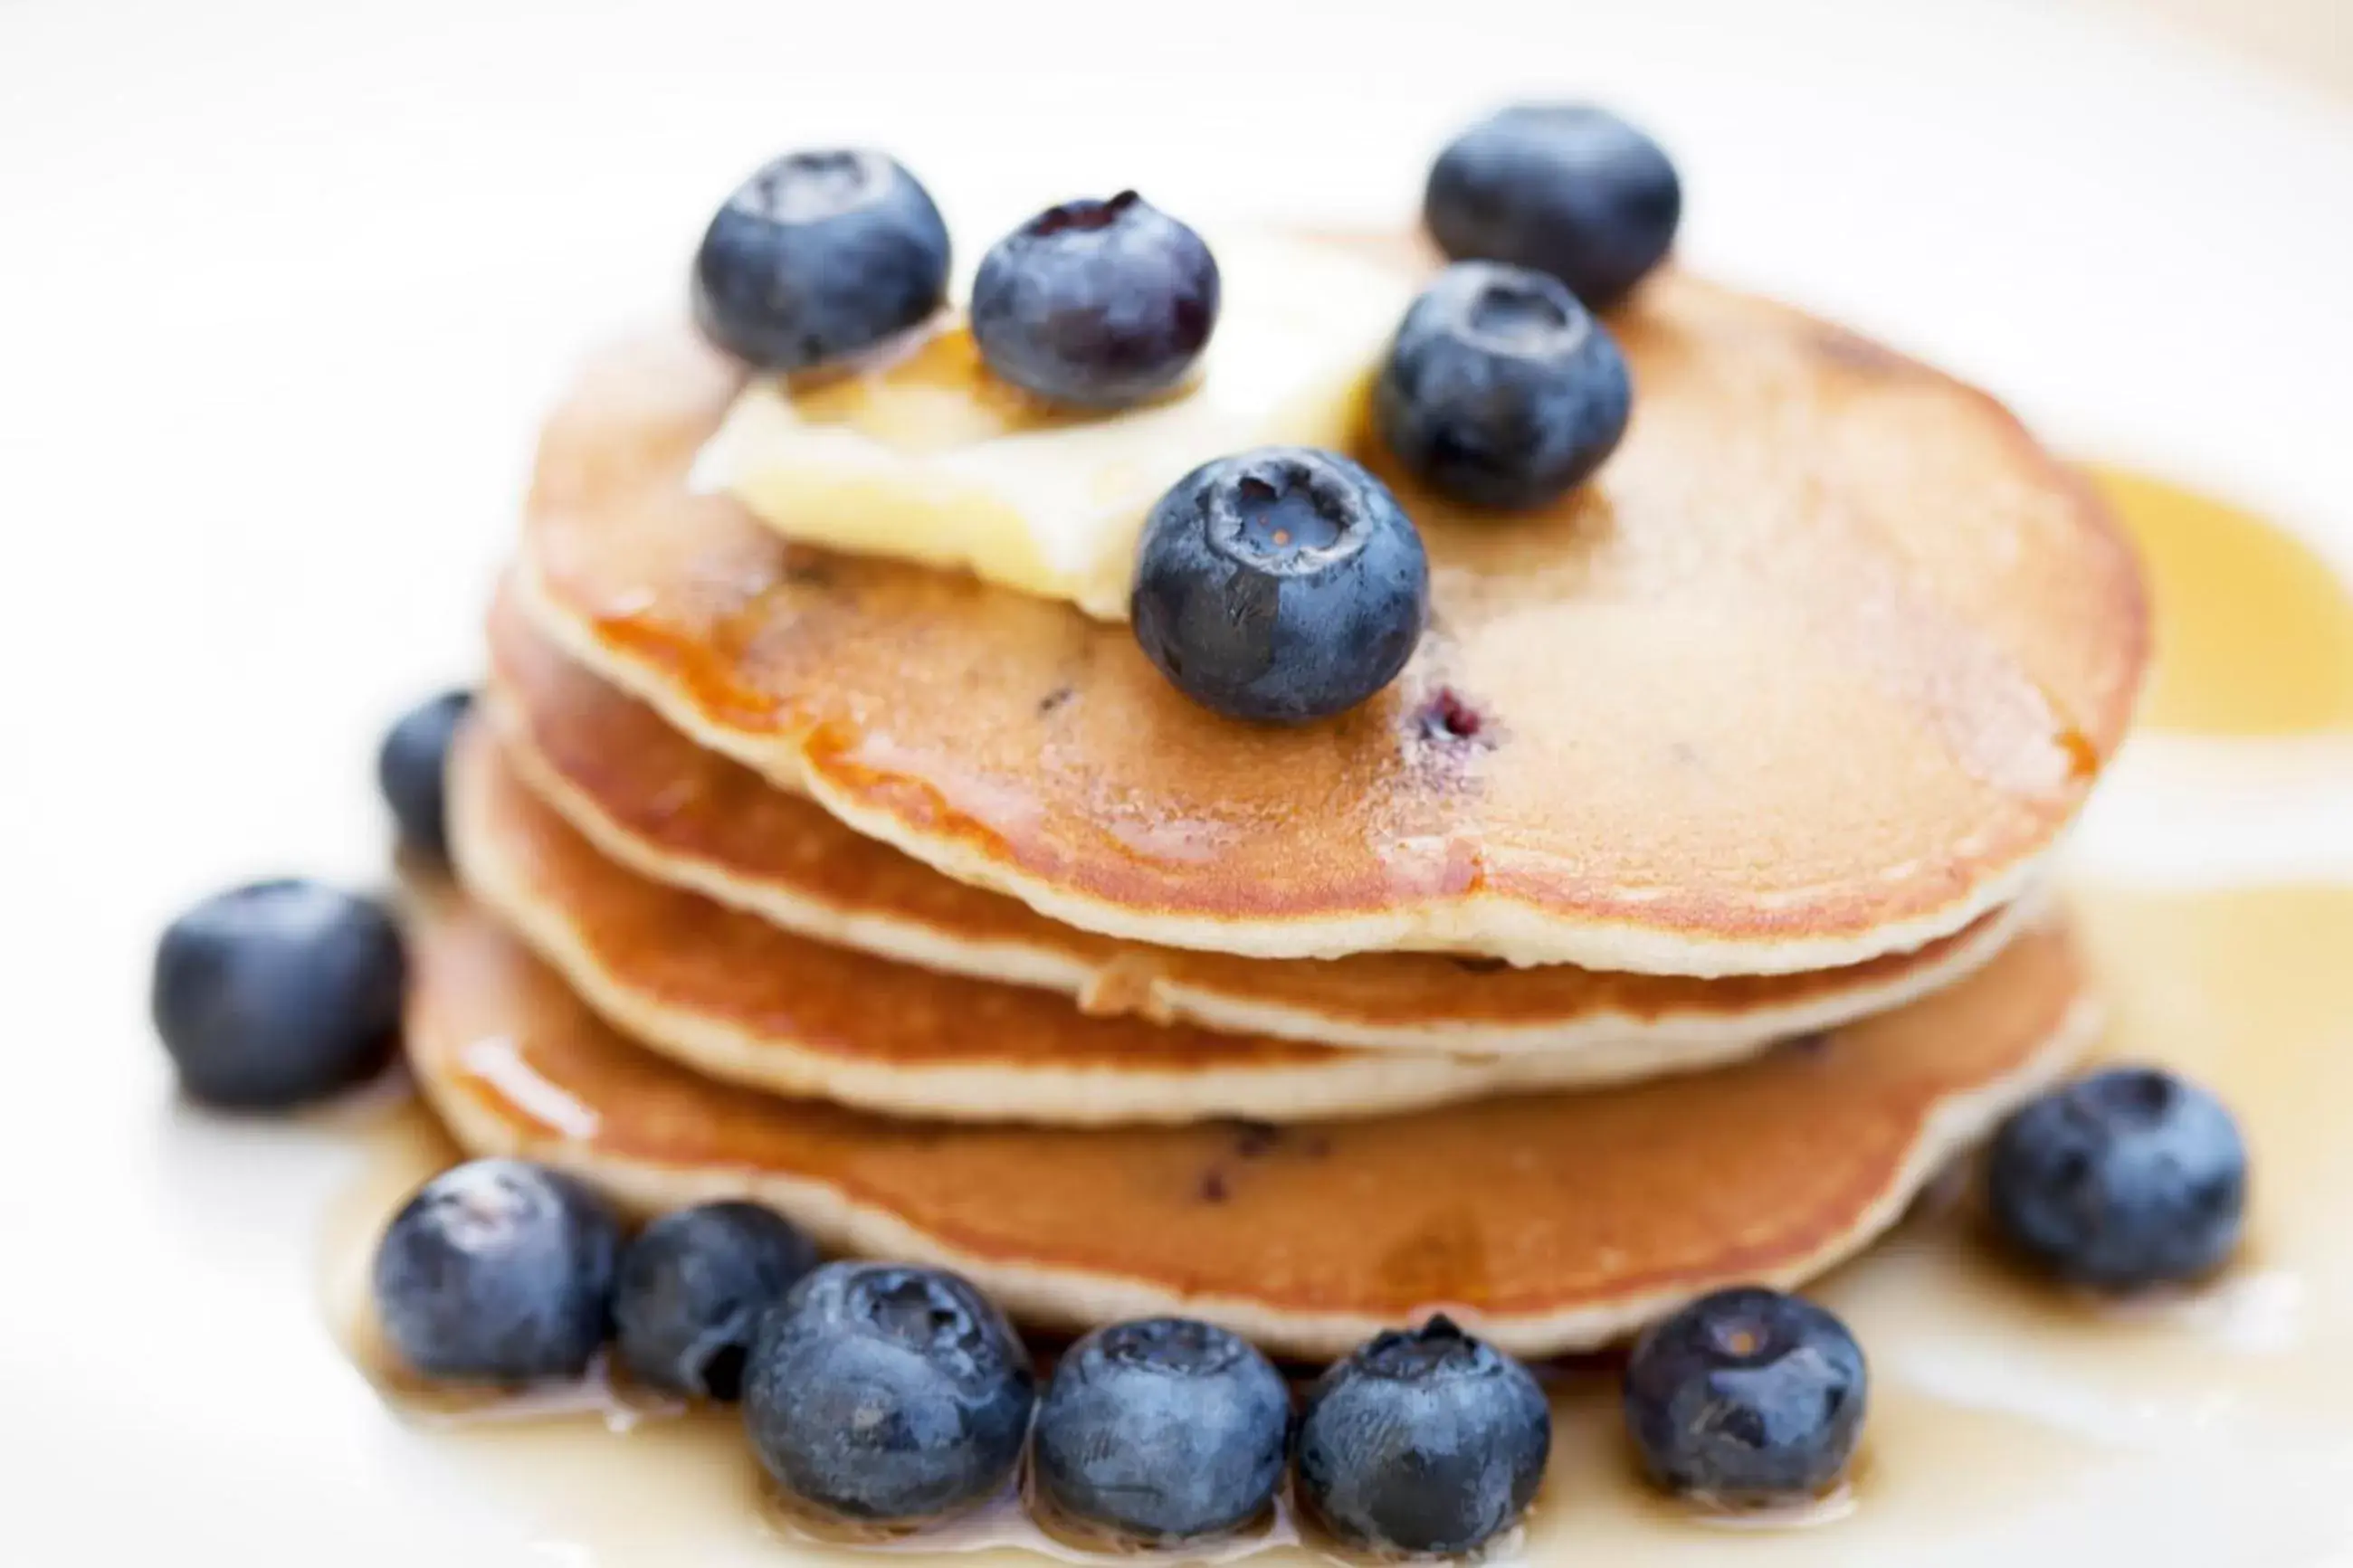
653, 801
2002, 1410
1827, 693
1307, 1240
2004, 1416
733, 996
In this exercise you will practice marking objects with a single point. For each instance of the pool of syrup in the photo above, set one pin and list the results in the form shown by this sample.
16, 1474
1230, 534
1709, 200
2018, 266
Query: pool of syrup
2006, 1415
2254, 632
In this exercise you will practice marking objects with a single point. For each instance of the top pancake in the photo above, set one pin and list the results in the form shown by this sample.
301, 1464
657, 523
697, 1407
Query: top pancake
1815, 670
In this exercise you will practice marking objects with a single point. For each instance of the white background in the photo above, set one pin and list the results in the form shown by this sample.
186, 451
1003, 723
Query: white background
281, 288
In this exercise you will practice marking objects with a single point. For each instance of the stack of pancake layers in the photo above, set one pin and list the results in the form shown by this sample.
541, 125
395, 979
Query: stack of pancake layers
1670, 920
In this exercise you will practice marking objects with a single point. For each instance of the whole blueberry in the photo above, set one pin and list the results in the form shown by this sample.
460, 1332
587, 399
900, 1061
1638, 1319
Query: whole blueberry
279, 992
411, 768
1566, 188
498, 1272
817, 256
691, 1289
1427, 1441
1746, 1397
887, 1394
1104, 304
2129, 1177
1162, 1431
1281, 584
1499, 389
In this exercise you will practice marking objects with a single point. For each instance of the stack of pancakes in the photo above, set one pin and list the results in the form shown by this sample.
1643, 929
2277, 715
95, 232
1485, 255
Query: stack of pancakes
1666, 925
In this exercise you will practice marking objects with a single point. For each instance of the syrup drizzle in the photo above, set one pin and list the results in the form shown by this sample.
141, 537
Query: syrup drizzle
2004, 1412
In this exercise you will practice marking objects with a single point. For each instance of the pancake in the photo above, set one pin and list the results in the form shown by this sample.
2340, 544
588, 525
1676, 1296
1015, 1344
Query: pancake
1815, 670
654, 801
1552, 1222
736, 998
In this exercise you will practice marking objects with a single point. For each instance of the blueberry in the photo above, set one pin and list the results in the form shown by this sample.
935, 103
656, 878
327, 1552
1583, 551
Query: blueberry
887, 1394
2130, 1177
1162, 1431
278, 992
691, 1291
1105, 304
498, 1272
1499, 389
1566, 188
410, 769
817, 256
1428, 1441
1747, 1397
1281, 584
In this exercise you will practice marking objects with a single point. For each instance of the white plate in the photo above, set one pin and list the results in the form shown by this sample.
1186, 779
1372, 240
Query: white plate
281, 288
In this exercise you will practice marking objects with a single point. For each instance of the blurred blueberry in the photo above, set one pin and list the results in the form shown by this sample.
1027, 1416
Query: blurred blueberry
1099, 303
691, 1289
498, 1272
279, 992
2128, 1178
1566, 188
819, 255
1747, 1397
411, 768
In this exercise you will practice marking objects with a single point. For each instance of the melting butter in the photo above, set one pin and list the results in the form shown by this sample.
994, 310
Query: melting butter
918, 453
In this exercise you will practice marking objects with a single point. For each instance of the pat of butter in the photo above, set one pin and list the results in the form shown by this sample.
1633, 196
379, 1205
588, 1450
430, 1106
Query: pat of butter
919, 453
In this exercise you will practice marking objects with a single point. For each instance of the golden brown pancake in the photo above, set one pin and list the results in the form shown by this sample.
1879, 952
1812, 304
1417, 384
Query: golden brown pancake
1552, 1221
737, 998
654, 801
1816, 669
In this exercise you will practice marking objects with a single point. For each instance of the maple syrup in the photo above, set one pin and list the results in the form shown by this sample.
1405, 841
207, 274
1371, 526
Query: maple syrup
2254, 633
932, 392
2007, 1414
